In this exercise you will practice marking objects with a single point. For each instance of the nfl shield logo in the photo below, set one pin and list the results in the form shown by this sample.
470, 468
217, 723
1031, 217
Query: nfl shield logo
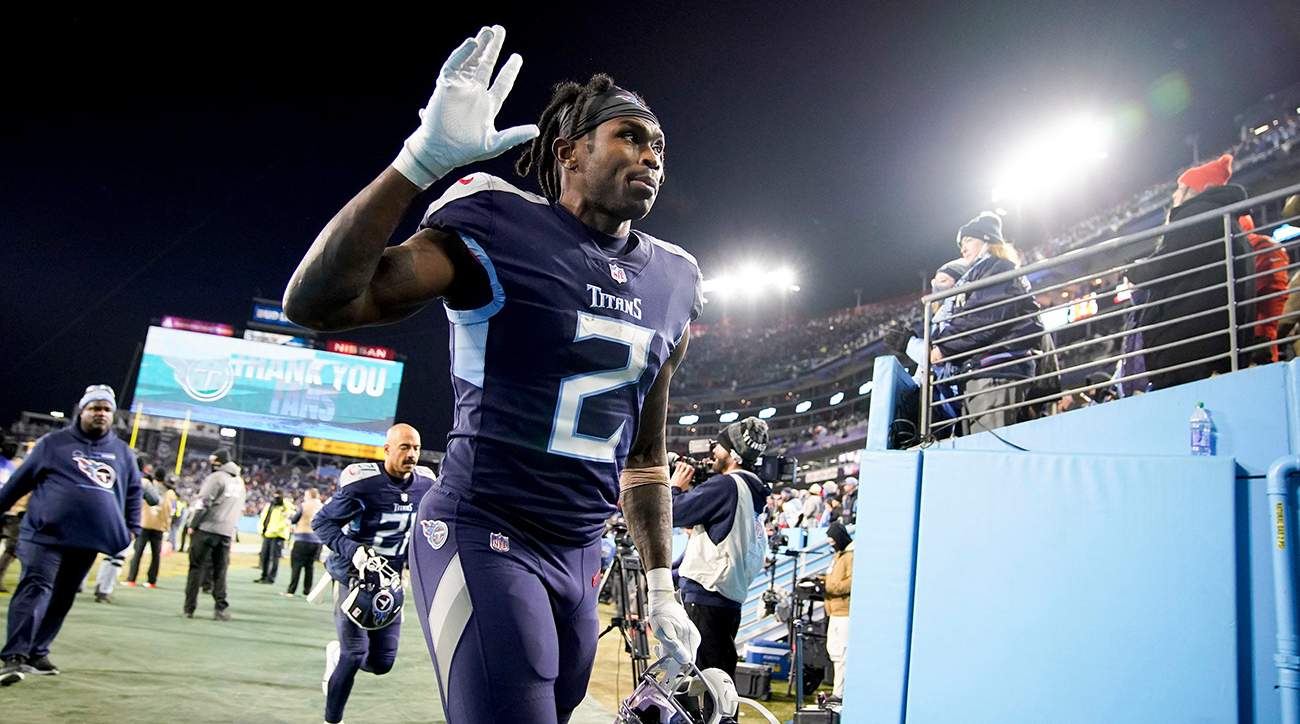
617, 272
499, 543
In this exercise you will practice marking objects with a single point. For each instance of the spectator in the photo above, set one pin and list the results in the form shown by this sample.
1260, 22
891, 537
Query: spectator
306, 544
155, 521
849, 498
997, 332
1271, 261
179, 511
1200, 189
85, 489
215, 520
110, 567
813, 507
273, 523
791, 509
726, 549
838, 583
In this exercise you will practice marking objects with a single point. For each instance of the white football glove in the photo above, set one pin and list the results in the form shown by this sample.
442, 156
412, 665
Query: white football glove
362, 557
668, 619
458, 125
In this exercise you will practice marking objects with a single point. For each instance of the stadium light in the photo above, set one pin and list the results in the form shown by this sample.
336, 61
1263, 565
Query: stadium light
837, 398
728, 417
296, 441
56, 413
766, 412
688, 419
865, 388
803, 406
752, 280
1261, 129
1048, 161
228, 432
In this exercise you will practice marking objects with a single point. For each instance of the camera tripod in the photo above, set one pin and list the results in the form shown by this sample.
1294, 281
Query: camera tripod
627, 576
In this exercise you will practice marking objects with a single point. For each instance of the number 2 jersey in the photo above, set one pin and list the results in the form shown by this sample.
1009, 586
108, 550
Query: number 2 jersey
370, 508
550, 376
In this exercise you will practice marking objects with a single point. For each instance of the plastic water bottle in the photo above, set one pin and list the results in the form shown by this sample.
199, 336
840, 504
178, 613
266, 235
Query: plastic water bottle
1202, 431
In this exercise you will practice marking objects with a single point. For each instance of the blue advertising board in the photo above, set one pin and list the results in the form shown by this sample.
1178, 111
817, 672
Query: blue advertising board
271, 387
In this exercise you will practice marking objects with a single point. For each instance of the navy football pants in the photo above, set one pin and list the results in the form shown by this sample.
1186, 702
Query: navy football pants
511, 624
44, 595
359, 650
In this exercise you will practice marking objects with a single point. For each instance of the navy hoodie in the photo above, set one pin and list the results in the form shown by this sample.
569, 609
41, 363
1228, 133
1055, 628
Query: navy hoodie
85, 493
712, 504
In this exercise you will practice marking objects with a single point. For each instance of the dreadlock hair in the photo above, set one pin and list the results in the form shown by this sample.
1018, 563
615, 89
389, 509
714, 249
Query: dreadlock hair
540, 156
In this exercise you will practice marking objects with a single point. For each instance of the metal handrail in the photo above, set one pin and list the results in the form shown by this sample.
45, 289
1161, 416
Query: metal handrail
1121, 267
1236, 322
1111, 245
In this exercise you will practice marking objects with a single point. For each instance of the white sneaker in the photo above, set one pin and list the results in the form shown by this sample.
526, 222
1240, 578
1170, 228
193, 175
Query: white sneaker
332, 651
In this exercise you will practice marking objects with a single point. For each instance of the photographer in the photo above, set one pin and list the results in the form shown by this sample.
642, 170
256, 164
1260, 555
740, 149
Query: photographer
727, 544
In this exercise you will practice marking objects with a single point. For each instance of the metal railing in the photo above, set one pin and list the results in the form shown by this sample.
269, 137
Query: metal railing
1115, 259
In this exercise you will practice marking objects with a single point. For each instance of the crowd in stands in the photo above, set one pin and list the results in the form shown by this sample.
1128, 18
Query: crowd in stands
262, 478
725, 359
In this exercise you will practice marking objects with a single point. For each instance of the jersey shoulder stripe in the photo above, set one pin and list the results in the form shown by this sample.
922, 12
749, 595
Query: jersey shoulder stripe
424, 471
479, 183
357, 471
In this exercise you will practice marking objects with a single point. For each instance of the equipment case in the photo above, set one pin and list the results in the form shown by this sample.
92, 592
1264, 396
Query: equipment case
816, 716
754, 681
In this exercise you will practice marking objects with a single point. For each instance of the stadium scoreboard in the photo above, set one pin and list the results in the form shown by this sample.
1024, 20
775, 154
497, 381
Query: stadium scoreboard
270, 387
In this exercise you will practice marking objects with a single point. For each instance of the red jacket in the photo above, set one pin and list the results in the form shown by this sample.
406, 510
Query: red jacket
1270, 257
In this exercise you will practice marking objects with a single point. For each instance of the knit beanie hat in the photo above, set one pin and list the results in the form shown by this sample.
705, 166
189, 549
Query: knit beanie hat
1214, 173
987, 226
839, 535
746, 439
955, 268
222, 456
96, 393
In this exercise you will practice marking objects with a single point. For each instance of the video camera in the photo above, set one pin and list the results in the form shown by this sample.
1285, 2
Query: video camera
703, 470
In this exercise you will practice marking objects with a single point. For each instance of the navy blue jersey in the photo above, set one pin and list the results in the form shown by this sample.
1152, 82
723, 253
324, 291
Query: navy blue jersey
550, 376
370, 509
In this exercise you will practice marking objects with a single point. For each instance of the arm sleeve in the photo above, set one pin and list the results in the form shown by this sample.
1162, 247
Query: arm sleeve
840, 579
342, 507
24, 479
297, 516
134, 494
706, 504
990, 307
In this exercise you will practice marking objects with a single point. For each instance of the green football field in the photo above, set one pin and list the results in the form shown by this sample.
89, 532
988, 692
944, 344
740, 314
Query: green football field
138, 660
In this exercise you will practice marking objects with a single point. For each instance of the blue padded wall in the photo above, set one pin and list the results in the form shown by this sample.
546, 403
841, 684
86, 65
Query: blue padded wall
1069, 588
1256, 413
881, 606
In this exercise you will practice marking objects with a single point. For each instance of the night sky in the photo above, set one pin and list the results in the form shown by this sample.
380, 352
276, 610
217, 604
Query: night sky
152, 167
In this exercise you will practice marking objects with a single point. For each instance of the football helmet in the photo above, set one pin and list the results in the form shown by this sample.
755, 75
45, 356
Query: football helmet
665, 696
375, 597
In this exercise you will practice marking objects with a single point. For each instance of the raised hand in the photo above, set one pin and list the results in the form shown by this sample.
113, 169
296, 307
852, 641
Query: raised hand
458, 126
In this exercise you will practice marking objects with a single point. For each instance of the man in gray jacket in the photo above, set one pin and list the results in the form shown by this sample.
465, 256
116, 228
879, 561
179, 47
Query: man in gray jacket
216, 518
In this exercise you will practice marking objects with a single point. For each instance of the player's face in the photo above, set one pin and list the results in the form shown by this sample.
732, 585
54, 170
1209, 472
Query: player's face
96, 418
623, 167
402, 454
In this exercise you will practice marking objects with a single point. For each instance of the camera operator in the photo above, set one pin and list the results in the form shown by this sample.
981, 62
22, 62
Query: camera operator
727, 544
839, 582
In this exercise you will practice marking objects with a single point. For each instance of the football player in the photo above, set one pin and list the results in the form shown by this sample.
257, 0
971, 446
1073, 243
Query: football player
366, 525
566, 328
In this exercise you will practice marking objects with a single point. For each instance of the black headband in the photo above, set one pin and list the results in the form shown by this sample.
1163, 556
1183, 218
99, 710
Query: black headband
613, 103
